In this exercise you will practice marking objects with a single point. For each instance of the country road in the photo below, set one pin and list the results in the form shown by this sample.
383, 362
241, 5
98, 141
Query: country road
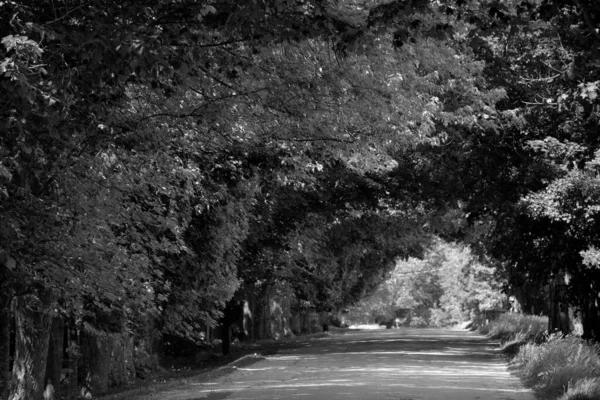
403, 364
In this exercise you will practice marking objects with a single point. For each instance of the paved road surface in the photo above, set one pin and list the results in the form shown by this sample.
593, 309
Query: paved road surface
403, 364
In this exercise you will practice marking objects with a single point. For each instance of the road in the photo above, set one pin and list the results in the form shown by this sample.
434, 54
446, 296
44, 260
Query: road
402, 364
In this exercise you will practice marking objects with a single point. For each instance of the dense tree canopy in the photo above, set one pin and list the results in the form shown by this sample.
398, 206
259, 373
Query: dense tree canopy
166, 160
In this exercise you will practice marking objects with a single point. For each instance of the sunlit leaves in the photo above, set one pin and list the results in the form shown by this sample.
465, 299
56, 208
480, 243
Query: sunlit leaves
589, 90
448, 285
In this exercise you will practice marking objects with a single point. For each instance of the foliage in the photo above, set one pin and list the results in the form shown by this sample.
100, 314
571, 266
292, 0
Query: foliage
516, 327
552, 367
532, 150
308, 143
186, 89
469, 285
584, 389
448, 285
569, 207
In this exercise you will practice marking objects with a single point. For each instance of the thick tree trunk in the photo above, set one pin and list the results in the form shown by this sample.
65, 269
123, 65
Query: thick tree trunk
107, 361
558, 318
590, 320
527, 300
55, 358
233, 319
32, 328
263, 314
73, 351
225, 338
5, 326
552, 308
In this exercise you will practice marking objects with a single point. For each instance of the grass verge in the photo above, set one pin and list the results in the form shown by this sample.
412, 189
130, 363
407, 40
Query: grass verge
510, 327
585, 389
556, 366
559, 366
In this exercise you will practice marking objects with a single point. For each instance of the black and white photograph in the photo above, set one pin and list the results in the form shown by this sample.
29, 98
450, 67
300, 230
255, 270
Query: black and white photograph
300, 199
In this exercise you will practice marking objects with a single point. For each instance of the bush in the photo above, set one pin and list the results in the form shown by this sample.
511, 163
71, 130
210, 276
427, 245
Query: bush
440, 318
511, 326
418, 322
479, 321
552, 367
513, 346
585, 389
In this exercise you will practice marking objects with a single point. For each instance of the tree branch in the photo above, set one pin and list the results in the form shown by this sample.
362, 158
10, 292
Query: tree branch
587, 17
196, 109
318, 139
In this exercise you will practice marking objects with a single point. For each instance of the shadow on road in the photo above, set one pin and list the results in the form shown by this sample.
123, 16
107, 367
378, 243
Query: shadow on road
406, 364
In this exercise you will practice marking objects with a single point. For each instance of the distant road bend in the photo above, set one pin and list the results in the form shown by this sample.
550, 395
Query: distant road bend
403, 364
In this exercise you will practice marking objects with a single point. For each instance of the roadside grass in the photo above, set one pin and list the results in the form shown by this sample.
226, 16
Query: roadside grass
511, 327
562, 365
554, 366
585, 389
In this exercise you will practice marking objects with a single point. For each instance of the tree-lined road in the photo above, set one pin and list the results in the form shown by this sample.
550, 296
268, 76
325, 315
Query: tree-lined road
406, 364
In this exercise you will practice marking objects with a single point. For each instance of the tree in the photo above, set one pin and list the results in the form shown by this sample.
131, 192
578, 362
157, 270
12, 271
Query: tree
447, 285
568, 206
311, 145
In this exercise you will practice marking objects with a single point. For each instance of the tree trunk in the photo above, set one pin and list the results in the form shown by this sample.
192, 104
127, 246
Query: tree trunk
590, 318
32, 329
5, 326
74, 353
558, 318
233, 318
107, 361
55, 358
225, 338
552, 308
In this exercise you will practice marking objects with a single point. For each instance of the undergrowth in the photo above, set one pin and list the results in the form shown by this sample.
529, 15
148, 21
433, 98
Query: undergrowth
554, 366
516, 327
559, 364
585, 389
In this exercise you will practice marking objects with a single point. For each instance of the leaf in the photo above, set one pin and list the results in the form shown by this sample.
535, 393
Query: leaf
21, 42
5, 175
50, 101
593, 95
8, 261
11, 264
208, 9
4, 65
183, 69
26, 149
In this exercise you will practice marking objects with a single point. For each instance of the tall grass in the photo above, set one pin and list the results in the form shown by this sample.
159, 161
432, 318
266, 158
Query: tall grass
553, 367
585, 389
521, 327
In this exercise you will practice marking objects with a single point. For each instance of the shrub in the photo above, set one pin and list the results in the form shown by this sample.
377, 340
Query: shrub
558, 364
479, 322
418, 322
440, 318
513, 346
585, 389
511, 326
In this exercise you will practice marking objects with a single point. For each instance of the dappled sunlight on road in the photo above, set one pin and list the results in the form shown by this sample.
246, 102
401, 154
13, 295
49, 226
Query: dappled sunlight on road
394, 364
413, 353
